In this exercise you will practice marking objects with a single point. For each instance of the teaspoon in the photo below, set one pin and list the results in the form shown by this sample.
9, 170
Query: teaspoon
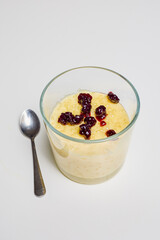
30, 126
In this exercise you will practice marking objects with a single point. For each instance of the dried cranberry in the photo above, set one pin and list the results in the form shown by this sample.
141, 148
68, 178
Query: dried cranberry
102, 123
85, 130
68, 117
113, 97
100, 112
110, 132
86, 108
62, 119
77, 119
90, 121
84, 98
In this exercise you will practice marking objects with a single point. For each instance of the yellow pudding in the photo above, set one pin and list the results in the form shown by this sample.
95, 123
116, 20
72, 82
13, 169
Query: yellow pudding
116, 119
96, 161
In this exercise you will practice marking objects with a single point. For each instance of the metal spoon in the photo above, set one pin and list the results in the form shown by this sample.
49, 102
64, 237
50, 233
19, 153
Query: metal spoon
30, 126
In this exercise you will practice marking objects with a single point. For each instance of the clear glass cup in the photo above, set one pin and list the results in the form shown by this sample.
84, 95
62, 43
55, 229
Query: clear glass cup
89, 161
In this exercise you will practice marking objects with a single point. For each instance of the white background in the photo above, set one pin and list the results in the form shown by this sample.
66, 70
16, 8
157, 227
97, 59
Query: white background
38, 40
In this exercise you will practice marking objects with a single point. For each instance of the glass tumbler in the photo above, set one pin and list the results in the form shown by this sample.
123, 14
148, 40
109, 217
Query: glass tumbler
89, 161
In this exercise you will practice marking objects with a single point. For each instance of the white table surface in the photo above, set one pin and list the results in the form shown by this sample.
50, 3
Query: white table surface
38, 40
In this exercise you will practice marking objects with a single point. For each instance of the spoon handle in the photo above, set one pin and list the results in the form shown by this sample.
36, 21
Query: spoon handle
39, 187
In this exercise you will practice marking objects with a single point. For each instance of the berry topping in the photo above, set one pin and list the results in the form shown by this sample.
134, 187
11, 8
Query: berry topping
102, 123
100, 112
62, 119
86, 108
85, 130
84, 98
110, 132
90, 121
77, 119
113, 97
68, 117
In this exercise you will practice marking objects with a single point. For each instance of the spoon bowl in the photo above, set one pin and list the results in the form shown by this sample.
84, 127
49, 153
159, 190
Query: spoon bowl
29, 123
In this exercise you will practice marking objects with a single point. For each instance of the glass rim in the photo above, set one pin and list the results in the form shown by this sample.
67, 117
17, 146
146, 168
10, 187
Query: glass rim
113, 137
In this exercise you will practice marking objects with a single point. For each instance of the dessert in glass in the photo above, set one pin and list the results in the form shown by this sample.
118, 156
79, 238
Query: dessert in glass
89, 114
